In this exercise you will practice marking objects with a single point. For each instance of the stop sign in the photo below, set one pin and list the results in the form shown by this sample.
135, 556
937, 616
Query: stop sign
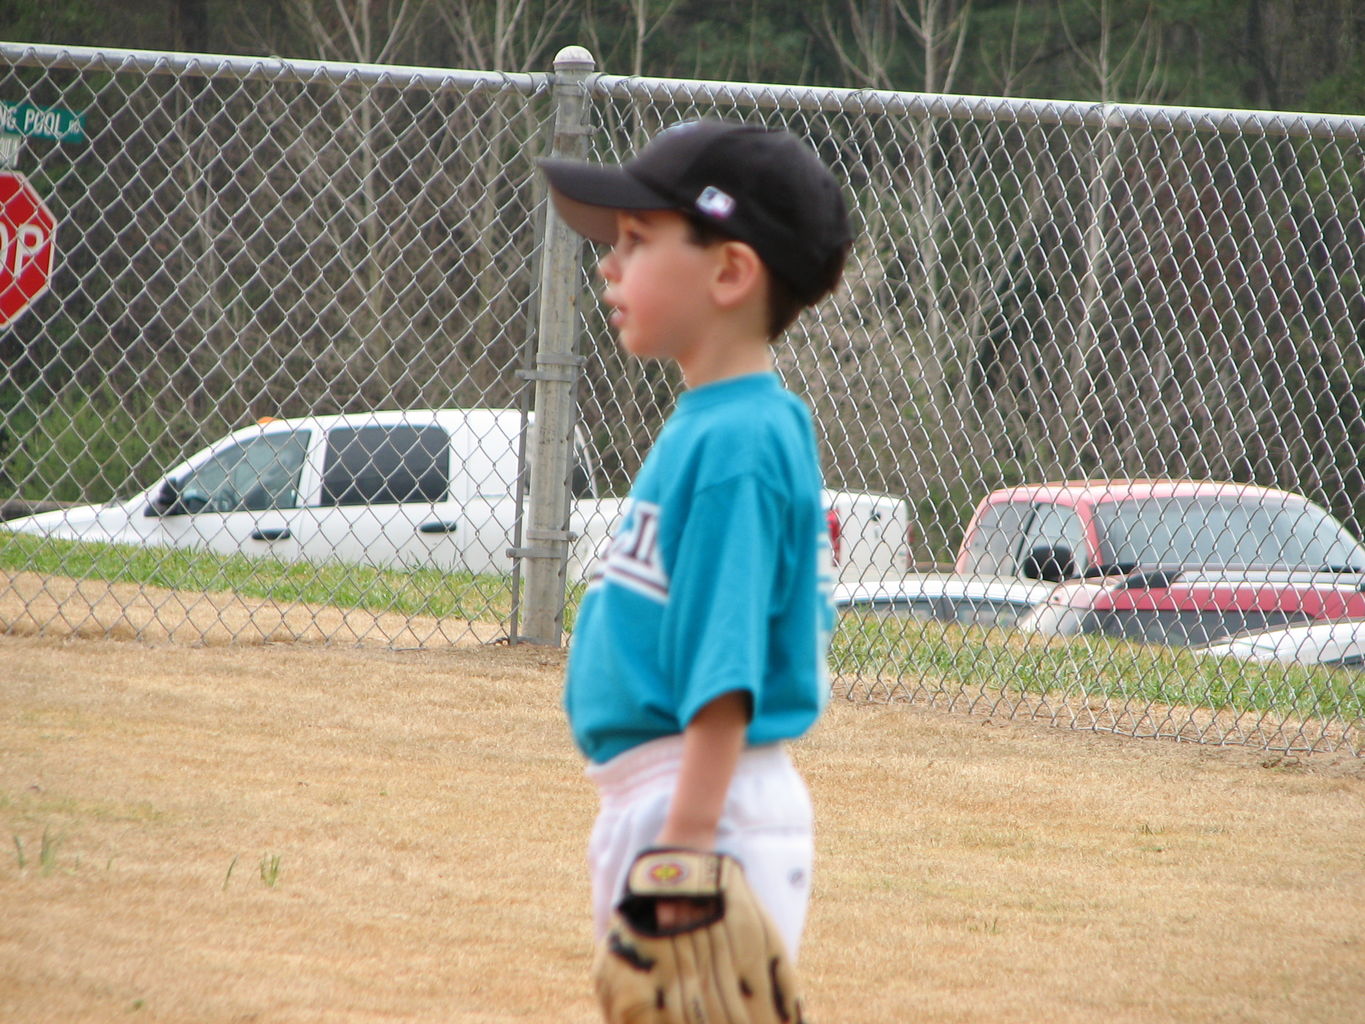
27, 247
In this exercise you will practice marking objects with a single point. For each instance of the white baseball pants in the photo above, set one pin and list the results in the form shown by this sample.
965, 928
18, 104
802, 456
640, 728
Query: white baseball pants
766, 826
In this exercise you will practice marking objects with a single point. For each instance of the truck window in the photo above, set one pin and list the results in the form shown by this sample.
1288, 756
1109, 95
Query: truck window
254, 475
1057, 526
993, 548
581, 484
386, 465
1226, 531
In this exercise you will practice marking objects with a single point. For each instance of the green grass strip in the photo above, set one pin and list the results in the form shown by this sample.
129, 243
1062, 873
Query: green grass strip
953, 657
975, 659
428, 592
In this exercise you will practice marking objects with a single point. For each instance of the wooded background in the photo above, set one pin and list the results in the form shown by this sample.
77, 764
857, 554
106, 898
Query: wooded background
1259, 54
1022, 304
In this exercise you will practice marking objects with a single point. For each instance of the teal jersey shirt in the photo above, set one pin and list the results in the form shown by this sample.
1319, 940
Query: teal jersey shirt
717, 579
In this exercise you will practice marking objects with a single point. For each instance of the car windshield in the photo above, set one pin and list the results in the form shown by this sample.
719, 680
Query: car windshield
256, 474
1249, 530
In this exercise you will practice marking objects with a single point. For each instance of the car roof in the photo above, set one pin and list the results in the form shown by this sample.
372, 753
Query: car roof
480, 419
386, 416
941, 585
1091, 492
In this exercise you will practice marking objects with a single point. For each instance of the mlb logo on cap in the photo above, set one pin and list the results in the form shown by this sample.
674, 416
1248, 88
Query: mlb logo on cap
715, 203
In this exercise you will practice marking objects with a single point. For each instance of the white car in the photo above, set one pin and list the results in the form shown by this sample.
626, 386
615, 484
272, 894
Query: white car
1338, 644
420, 488
433, 488
969, 600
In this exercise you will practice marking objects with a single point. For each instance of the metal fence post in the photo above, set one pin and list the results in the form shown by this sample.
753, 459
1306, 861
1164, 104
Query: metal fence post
547, 538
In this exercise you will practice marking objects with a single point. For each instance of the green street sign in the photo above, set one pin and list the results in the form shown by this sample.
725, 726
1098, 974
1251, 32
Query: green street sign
42, 122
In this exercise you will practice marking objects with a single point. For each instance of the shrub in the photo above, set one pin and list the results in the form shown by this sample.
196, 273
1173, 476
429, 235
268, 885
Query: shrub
81, 448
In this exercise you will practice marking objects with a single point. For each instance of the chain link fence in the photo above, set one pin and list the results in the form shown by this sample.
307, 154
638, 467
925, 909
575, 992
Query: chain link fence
1039, 292
243, 240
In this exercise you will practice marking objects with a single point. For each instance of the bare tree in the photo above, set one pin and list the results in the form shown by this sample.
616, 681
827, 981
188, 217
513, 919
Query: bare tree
356, 30
502, 35
421, 197
937, 237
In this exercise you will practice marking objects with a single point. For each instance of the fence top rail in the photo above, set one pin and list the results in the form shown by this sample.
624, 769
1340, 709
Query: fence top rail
1067, 113
992, 108
278, 69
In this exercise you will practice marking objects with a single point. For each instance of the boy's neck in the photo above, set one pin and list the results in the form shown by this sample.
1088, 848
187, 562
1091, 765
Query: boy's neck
720, 358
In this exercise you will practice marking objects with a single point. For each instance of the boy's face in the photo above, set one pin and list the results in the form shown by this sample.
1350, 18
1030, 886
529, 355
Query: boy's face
656, 284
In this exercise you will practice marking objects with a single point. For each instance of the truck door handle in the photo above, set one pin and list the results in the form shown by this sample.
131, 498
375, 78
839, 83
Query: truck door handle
439, 526
274, 533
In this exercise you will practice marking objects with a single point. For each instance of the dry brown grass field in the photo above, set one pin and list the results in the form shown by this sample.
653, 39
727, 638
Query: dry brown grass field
292, 832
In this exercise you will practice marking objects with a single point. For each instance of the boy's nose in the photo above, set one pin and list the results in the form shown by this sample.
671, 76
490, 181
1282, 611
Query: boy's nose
607, 266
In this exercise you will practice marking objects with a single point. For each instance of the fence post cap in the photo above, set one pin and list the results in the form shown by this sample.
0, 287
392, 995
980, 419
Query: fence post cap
575, 58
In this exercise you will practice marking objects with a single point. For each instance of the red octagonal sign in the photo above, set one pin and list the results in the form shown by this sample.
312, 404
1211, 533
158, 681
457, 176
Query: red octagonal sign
27, 245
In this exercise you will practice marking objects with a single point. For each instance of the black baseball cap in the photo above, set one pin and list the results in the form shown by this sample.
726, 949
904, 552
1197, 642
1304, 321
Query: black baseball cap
759, 185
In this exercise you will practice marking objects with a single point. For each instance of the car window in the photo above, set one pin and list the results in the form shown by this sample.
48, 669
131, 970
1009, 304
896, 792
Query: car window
1056, 526
581, 482
254, 475
385, 465
993, 547
1234, 530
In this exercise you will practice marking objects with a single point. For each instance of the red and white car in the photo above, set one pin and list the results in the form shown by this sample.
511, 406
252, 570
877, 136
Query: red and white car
1163, 561
1169, 561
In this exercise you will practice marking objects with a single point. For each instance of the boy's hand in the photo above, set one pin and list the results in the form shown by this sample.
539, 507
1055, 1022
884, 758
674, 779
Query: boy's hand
682, 914
678, 915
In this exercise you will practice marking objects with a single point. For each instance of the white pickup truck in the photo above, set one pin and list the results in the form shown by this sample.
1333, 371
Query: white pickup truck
409, 489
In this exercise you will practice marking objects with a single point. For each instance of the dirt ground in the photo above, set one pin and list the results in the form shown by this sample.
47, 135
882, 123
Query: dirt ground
257, 829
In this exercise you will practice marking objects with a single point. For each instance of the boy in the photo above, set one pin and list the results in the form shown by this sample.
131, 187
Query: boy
700, 645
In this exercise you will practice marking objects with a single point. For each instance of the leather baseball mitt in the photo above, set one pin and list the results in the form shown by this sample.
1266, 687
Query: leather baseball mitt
728, 965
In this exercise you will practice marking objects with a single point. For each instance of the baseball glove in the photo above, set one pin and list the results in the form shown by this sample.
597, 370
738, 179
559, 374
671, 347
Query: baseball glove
728, 965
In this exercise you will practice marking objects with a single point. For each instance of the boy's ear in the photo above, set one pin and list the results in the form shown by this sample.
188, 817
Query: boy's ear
739, 273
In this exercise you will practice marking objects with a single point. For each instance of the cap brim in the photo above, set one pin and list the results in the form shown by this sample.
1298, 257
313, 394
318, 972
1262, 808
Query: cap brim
587, 196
